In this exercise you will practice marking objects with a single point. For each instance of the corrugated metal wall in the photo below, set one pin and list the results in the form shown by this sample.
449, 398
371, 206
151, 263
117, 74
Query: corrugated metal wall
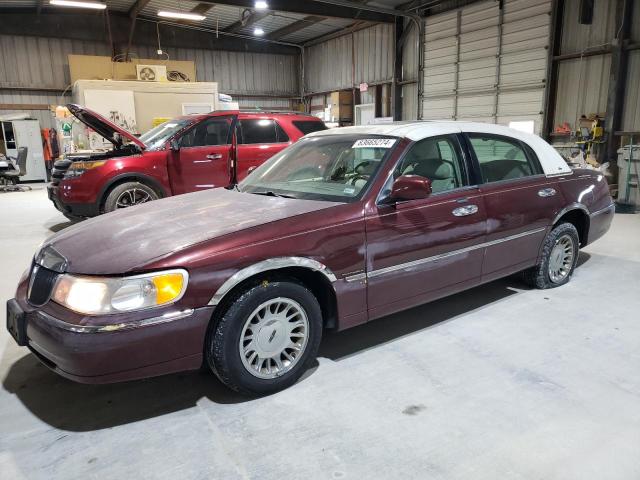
631, 115
31, 98
583, 82
410, 73
582, 88
331, 65
239, 72
485, 65
41, 64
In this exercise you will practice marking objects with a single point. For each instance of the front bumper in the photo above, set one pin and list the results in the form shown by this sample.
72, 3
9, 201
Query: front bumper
89, 209
118, 351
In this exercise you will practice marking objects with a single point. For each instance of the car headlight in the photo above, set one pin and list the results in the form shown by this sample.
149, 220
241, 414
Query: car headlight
78, 168
105, 295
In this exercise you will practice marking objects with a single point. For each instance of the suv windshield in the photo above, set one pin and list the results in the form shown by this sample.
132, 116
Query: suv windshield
333, 167
156, 137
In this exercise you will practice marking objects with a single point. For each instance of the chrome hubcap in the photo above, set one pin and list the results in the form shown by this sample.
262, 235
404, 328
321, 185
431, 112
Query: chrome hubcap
274, 338
561, 259
132, 197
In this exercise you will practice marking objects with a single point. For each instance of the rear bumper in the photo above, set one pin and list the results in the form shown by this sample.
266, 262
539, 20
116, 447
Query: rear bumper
89, 354
600, 222
89, 209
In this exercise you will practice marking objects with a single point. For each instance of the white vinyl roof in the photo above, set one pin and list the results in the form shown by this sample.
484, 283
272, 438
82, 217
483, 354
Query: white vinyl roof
551, 161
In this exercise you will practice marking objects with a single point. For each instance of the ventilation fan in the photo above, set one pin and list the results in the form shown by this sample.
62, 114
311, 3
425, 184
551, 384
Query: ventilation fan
151, 73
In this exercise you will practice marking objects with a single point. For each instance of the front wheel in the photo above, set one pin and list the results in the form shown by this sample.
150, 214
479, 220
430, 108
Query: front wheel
557, 260
266, 339
127, 195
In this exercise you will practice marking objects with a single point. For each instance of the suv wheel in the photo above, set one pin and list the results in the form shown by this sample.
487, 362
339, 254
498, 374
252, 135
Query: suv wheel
266, 339
558, 259
129, 194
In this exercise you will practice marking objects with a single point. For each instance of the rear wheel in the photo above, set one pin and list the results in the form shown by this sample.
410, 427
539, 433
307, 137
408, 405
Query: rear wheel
557, 260
129, 194
266, 339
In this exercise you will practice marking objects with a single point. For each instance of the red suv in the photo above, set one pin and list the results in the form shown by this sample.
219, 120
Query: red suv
182, 155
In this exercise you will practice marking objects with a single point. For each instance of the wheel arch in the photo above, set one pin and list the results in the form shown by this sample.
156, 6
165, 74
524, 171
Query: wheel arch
578, 215
129, 177
317, 277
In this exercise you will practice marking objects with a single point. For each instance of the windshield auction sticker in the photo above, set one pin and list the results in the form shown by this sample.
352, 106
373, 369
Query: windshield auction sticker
374, 143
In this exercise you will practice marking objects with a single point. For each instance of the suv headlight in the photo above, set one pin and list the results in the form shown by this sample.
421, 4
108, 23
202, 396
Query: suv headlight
78, 168
105, 295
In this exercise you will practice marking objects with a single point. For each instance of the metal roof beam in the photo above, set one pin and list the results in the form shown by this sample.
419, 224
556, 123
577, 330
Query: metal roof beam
352, 11
252, 17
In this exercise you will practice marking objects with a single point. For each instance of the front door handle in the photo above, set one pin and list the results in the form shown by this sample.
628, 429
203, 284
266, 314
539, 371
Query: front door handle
214, 156
466, 210
547, 192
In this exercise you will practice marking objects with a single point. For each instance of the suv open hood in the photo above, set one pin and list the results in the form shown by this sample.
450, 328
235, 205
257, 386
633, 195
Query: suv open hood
104, 127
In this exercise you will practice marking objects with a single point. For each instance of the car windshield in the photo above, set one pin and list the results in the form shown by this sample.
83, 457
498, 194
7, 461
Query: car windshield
157, 136
333, 167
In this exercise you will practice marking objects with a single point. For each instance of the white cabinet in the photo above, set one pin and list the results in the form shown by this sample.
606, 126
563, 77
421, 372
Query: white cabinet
25, 133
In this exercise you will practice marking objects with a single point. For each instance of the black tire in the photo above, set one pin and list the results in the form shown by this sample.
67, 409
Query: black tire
222, 344
139, 190
539, 276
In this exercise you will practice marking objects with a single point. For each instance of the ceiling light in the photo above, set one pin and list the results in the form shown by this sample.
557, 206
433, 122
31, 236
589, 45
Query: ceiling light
78, 4
258, 31
260, 5
181, 15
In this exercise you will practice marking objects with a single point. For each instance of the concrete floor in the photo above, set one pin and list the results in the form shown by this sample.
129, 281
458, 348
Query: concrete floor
499, 382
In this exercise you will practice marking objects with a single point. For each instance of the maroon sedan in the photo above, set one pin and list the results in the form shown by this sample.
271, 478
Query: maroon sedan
343, 227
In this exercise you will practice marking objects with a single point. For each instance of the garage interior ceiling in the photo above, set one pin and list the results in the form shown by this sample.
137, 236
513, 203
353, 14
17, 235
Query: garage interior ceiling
281, 25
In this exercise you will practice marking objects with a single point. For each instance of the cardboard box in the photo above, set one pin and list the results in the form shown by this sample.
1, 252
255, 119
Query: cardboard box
341, 104
343, 97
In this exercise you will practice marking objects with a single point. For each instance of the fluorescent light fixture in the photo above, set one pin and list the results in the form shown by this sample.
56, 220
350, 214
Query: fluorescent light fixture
181, 15
260, 5
78, 4
258, 31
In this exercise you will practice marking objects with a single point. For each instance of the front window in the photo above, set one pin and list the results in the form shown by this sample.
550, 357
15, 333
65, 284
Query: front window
211, 132
156, 137
335, 168
437, 158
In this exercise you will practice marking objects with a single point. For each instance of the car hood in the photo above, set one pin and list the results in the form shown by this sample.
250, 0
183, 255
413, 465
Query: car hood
110, 131
129, 239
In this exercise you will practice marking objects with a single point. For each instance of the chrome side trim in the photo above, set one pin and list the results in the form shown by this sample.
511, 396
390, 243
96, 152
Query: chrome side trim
603, 210
270, 264
115, 327
356, 278
414, 263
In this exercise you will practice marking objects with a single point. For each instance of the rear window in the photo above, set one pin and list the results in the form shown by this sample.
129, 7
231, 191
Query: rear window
309, 126
261, 131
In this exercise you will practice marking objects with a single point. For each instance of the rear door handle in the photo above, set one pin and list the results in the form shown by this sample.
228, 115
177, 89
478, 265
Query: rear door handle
466, 210
547, 192
214, 156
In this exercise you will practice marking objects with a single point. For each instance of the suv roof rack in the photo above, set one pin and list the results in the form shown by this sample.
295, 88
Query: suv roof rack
279, 112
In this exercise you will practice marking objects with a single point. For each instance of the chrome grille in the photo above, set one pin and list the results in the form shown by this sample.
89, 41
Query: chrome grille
41, 283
